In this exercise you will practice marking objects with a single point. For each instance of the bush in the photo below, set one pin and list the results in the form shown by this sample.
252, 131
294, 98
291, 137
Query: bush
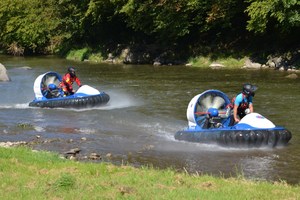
79, 54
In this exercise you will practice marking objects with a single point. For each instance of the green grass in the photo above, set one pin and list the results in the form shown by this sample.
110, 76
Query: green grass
40, 175
84, 54
96, 57
77, 54
228, 62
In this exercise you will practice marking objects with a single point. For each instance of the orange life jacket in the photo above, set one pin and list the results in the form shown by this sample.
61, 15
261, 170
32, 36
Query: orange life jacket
68, 81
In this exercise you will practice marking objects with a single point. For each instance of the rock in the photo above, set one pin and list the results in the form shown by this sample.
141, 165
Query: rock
126, 190
292, 76
110, 58
284, 60
216, 66
251, 65
26, 68
3, 74
94, 156
156, 63
73, 151
12, 144
108, 155
275, 62
73, 158
271, 64
148, 147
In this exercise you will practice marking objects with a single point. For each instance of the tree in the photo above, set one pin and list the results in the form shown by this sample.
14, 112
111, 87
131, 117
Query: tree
30, 23
40, 26
282, 14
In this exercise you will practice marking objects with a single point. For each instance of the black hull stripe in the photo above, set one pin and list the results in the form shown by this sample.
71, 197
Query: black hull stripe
80, 102
238, 138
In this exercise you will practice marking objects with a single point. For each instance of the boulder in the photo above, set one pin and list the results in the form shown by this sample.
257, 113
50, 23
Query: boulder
216, 65
251, 65
3, 73
292, 76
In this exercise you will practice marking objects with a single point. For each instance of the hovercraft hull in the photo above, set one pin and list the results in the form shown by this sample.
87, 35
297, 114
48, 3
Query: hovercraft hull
72, 102
210, 120
278, 136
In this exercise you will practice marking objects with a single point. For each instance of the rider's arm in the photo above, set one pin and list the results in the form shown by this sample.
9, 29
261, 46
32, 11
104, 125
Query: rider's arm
251, 107
77, 80
237, 102
236, 119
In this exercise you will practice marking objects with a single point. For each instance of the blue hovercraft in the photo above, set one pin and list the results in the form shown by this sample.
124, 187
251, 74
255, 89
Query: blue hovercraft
49, 95
210, 121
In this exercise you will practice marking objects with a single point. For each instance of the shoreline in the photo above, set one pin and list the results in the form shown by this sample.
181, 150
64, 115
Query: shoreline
43, 175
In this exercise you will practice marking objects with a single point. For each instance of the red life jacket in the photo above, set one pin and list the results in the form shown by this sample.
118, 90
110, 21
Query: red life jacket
68, 81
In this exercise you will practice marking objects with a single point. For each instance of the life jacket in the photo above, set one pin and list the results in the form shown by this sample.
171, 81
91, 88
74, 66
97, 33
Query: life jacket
243, 105
68, 81
231, 104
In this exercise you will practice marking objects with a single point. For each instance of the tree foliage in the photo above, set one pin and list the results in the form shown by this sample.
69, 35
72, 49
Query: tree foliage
51, 25
170, 20
30, 23
284, 14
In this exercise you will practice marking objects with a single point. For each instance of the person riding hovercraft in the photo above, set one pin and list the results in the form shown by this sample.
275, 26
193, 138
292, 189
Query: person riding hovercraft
243, 102
54, 91
67, 81
240, 106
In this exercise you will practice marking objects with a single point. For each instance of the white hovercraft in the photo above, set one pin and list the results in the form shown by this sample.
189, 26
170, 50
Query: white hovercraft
209, 121
49, 95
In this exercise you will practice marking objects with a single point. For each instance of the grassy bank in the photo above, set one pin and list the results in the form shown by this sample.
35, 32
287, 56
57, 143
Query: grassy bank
200, 61
40, 175
84, 54
229, 62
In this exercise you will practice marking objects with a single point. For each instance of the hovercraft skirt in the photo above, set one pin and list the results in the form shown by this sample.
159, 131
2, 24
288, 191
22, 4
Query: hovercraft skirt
78, 102
244, 138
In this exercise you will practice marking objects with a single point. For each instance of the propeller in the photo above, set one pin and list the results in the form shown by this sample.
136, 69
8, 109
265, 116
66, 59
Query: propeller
210, 104
48, 79
209, 101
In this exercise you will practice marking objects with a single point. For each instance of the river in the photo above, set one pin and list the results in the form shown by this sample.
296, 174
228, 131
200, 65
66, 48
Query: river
147, 107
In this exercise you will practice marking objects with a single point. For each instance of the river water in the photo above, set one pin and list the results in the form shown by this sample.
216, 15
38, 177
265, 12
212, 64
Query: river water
147, 107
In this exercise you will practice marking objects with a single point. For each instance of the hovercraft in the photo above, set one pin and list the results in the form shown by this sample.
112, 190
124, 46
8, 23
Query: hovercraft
49, 95
210, 121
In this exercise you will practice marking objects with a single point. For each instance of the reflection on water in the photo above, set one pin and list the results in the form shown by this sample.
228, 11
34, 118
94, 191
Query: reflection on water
148, 105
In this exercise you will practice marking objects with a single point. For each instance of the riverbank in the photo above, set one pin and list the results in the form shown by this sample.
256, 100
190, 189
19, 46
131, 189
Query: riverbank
26, 174
284, 61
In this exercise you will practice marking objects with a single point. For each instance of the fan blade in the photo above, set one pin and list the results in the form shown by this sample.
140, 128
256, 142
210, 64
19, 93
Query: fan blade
51, 79
217, 102
206, 102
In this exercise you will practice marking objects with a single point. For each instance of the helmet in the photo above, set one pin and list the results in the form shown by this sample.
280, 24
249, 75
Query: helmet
71, 70
52, 86
249, 89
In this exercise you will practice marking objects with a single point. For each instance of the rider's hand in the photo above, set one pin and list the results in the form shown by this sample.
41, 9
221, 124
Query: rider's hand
236, 120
